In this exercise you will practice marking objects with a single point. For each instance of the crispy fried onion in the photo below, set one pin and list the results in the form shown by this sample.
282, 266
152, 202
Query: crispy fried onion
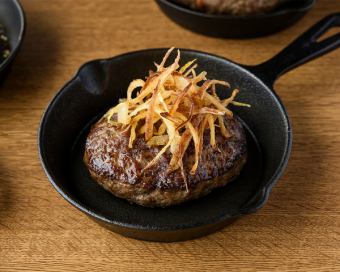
173, 107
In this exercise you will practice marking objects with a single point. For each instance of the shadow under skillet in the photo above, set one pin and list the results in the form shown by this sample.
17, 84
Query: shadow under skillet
306, 167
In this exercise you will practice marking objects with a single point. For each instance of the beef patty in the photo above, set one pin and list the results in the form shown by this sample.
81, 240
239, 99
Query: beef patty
118, 168
234, 7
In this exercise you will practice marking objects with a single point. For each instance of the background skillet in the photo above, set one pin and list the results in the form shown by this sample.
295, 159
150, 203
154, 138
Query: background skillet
239, 27
98, 82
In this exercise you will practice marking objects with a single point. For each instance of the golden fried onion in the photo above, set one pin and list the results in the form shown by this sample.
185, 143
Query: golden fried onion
171, 109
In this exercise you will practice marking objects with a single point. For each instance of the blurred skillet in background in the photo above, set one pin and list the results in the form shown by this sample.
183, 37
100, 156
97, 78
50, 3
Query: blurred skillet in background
237, 26
12, 21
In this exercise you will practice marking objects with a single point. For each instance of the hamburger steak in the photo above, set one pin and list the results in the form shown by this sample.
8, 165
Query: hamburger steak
118, 168
170, 141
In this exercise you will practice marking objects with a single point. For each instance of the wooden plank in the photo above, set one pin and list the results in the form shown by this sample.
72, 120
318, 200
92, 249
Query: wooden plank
299, 228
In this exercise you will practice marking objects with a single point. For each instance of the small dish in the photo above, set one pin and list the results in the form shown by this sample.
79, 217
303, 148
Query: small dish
238, 27
13, 19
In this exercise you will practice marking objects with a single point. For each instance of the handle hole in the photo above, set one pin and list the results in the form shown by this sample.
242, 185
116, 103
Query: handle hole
334, 30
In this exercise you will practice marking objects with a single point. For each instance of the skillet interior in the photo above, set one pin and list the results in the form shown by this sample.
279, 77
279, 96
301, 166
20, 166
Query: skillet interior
97, 86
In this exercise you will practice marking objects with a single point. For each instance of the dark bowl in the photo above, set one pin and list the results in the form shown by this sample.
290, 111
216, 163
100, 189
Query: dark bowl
13, 19
239, 27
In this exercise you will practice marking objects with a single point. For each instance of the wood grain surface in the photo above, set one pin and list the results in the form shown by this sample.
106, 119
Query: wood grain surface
297, 230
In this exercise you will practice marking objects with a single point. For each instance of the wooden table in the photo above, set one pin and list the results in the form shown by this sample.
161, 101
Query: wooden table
297, 230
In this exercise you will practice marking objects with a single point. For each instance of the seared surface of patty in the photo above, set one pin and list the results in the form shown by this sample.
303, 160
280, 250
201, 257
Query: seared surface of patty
118, 168
235, 7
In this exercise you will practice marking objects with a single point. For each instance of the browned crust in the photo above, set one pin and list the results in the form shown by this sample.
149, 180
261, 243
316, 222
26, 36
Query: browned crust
163, 198
119, 169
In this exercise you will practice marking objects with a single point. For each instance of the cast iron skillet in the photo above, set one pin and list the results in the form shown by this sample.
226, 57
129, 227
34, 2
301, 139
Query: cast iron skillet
13, 19
100, 83
228, 26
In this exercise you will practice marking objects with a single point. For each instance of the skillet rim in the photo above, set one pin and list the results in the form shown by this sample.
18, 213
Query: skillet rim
265, 191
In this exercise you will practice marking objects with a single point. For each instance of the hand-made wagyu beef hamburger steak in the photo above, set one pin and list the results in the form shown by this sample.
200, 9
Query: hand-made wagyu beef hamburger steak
172, 139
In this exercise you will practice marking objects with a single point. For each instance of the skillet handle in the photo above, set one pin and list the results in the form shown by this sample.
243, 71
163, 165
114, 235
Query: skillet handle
303, 49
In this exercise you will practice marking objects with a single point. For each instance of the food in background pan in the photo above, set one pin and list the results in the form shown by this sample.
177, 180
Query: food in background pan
175, 140
233, 7
4, 45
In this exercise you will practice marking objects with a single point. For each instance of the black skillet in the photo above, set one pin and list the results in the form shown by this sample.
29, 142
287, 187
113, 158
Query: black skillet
13, 19
100, 83
229, 26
